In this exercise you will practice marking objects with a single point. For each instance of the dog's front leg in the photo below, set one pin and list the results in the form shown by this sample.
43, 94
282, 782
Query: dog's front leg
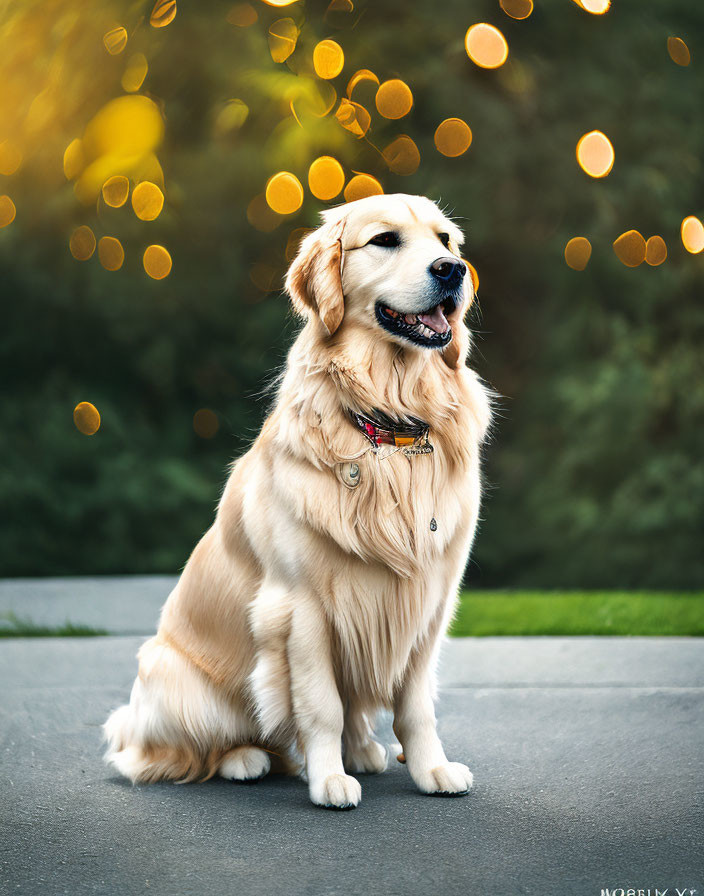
415, 727
317, 709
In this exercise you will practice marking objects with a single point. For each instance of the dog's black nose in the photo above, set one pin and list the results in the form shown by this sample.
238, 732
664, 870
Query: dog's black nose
449, 271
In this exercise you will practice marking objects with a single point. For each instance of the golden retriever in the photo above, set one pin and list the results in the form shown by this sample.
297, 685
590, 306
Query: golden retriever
323, 589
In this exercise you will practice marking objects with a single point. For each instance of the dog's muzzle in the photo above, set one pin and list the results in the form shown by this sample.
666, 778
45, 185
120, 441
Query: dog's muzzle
429, 328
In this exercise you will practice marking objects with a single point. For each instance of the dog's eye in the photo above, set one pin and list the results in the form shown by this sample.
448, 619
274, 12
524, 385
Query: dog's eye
444, 239
389, 240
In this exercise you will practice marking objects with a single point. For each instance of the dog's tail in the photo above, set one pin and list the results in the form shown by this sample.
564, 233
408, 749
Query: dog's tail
132, 759
144, 762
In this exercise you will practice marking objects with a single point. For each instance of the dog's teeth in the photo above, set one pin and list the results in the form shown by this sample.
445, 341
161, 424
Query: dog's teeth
411, 318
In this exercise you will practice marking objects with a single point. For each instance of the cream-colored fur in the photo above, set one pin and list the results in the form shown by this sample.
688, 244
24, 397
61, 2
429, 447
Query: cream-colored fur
309, 605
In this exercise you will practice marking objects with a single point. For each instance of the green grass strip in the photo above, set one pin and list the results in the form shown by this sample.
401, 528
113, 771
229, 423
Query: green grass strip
12, 626
483, 613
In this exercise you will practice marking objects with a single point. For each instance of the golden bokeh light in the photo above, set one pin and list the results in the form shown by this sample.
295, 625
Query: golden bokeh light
111, 253
679, 51
322, 98
364, 74
294, 241
10, 158
149, 169
282, 36
326, 178
394, 99
231, 117
82, 243
337, 12
116, 190
630, 248
86, 418
7, 211
280, 3
353, 117
517, 9
311, 97
163, 12
265, 276
115, 40
73, 159
578, 251
147, 201
243, 15
128, 126
40, 112
284, 193
135, 73
473, 276
692, 232
402, 156
595, 7
361, 186
655, 251
157, 262
453, 137
120, 139
595, 154
205, 423
486, 46
328, 59
261, 216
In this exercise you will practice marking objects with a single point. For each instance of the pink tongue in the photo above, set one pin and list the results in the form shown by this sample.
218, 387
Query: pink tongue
436, 320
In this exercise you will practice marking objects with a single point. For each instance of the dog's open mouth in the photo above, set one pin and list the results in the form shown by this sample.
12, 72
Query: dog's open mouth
429, 328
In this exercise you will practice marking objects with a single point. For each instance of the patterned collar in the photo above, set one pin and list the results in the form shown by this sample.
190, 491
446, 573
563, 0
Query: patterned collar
380, 429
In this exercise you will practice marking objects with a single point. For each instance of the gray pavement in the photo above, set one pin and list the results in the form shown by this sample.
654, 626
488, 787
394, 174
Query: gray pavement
122, 605
588, 757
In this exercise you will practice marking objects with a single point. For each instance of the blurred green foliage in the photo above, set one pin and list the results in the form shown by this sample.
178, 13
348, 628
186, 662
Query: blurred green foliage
594, 475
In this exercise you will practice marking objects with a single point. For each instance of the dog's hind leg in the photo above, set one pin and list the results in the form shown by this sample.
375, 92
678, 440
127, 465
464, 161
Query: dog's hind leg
269, 682
178, 725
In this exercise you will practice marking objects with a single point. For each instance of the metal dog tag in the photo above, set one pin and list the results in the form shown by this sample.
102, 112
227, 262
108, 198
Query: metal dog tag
350, 474
418, 449
420, 446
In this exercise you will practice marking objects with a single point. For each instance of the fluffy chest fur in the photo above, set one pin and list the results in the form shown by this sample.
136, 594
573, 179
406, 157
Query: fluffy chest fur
385, 576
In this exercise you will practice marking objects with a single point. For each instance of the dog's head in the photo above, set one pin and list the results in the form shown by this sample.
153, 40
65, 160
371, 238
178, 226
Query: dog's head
390, 263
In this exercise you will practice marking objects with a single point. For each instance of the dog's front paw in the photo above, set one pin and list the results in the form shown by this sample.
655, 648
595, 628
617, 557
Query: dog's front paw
336, 792
451, 779
370, 759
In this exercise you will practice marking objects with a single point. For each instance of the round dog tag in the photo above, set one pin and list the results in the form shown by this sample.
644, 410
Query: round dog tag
350, 474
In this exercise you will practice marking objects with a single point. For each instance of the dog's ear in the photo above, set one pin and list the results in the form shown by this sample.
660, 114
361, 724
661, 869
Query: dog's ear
314, 280
455, 355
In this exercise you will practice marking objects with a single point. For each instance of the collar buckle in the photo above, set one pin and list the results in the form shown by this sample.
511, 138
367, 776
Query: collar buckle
380, 429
